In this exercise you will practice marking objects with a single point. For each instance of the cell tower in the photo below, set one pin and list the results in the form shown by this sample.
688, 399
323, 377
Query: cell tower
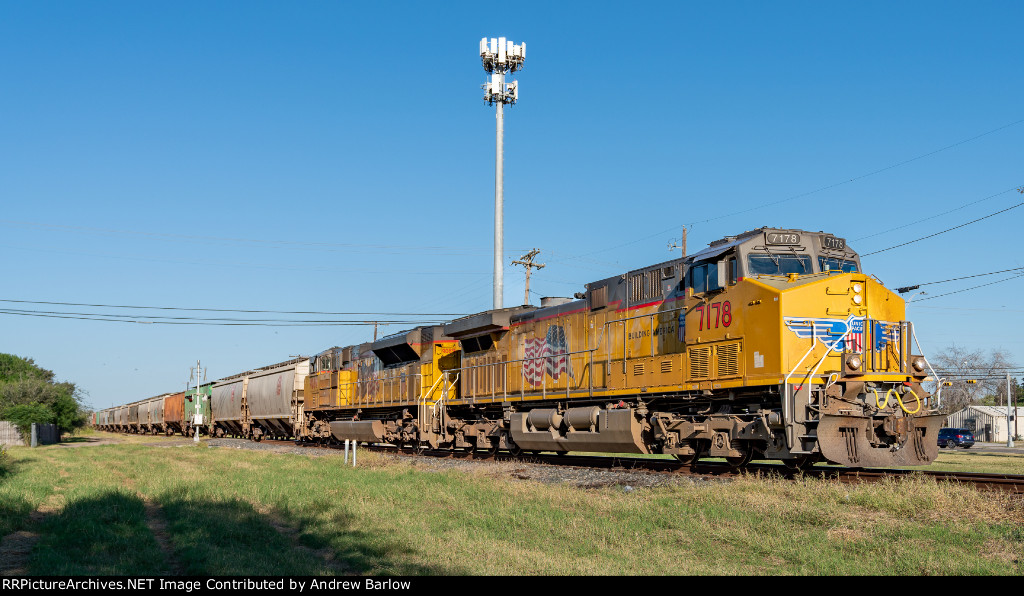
500, 57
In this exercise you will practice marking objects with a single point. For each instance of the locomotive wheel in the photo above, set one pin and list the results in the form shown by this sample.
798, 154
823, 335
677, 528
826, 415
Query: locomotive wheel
739, 462
515, 450
684, 459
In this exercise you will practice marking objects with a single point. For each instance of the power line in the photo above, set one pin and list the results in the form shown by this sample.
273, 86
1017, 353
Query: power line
823, 188
943, 231
200, 321
972, 288
913, 223
862, 176
929, 283
215, 318
276, 312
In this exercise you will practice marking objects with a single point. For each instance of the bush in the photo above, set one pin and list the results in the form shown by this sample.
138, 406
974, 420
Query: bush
25, 415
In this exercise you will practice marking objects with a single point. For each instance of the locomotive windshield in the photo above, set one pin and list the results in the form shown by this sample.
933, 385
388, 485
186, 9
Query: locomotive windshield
834, 264
773, 264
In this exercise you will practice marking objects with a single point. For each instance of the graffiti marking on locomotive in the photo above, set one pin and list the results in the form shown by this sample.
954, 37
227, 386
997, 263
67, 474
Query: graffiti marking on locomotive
833, 332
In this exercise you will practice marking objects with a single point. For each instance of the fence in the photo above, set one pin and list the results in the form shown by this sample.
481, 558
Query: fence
46, 434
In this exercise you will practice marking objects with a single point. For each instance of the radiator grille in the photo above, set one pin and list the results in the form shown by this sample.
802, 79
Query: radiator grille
728, 360
666, 366
700, 359
638, 369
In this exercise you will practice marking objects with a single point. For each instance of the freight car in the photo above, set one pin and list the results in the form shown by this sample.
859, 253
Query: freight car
264, 402
770, 344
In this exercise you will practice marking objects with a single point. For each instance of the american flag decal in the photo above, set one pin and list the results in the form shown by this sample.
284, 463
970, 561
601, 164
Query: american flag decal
856, 336
546, 355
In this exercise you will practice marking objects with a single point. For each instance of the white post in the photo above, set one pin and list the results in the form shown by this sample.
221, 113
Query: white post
196, 400
346, 451
353, 454
1009, 435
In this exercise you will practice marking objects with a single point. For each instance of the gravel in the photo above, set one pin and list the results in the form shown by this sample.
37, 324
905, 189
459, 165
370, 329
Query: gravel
625, 480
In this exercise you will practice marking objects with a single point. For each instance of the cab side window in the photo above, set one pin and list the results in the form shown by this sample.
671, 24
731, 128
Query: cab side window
704, 278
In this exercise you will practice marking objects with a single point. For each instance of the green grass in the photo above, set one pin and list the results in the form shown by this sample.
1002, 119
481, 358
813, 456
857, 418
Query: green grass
229, 511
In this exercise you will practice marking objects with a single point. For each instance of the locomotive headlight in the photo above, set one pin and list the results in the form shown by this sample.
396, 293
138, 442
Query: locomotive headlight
919, 364
856, 288
857, 299
853, 362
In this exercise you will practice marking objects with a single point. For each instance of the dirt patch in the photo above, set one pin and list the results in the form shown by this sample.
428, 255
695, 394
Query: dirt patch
88, 442
179, 442
16, 547
158, 527
292, 535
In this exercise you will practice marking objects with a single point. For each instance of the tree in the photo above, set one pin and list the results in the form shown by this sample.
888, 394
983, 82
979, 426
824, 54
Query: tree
14, 368
959, 365
30, 394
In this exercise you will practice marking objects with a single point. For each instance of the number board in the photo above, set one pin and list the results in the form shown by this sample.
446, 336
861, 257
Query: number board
777, 238
833, 243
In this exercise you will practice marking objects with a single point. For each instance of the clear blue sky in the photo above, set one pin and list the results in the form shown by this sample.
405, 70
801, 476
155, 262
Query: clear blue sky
330, 156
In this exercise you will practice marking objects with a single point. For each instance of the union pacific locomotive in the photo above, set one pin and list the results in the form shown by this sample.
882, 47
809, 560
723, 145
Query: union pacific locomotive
771, 344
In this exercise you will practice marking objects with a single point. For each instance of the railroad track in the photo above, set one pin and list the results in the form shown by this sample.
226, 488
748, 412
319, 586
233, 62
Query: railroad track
1011, 483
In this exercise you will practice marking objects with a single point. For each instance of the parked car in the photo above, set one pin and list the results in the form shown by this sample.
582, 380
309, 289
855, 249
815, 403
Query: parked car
955, 437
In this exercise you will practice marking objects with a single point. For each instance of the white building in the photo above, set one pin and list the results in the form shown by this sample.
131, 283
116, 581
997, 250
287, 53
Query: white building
988, 423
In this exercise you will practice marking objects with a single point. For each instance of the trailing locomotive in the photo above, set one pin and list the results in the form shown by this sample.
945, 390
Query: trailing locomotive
770, 344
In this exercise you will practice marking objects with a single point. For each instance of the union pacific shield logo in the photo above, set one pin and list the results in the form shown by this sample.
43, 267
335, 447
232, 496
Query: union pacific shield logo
834, 332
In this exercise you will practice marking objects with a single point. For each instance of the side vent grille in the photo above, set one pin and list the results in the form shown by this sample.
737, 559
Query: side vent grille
666, 366
638, 369
728, 360
700, 359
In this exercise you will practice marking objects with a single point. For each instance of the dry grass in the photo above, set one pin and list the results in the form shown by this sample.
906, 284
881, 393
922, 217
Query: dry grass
228, 511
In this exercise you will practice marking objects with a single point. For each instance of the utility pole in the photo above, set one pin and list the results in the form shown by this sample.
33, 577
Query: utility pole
527, 261
673, 245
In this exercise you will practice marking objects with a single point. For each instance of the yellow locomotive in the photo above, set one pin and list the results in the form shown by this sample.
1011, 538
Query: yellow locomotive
770, 344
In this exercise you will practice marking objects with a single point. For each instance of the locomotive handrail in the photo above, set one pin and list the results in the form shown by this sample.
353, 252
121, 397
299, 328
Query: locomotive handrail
785, 386
522, 388
623, 321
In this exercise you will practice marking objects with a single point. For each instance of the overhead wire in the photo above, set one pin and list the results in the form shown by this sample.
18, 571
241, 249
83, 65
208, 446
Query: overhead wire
971, 288
240, 310
929, 283
817, 190
902, 244
198, 321
913, 223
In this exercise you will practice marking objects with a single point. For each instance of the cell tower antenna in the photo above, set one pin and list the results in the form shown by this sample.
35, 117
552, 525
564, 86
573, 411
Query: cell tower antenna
500, 57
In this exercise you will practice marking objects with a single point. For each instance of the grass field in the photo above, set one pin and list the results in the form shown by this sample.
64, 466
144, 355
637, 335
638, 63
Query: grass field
137, 508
